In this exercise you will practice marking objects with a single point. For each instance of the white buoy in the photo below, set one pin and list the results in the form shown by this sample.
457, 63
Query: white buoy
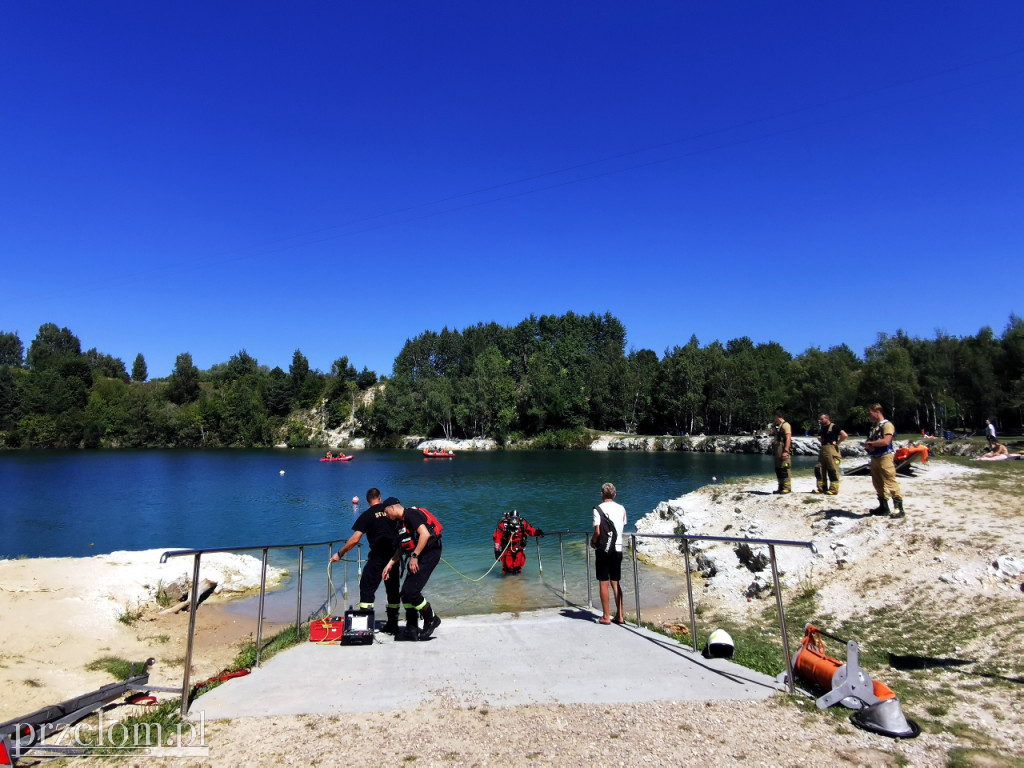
355, 499
282, 471
714, 479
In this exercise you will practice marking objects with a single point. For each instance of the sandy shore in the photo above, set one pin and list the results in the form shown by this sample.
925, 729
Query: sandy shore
60, 614
955, 552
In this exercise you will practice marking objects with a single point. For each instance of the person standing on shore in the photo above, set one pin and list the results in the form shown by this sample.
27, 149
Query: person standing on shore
609, 523
382, 534
883, 470
990, 432
783, 442
826, 472
425, 532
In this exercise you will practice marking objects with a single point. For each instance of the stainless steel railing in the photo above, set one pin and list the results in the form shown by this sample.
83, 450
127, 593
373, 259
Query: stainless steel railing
561, 535
194, 594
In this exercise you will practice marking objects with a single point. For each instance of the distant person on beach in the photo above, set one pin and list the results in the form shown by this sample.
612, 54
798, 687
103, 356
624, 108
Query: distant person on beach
609, 523
883, 469
510, 538
990, 433
382, 534
826, 472
424, 532
999, 452
783, 442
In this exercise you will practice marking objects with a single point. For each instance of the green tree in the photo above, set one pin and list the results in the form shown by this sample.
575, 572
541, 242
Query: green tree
38, 430
487, 397
241, 365
11, 349
183, 383
277, 392
635, 383
106, 365
10, 400
825, 382
52, 342
680, 393
439, 404
366, 379
139, 371
888, 375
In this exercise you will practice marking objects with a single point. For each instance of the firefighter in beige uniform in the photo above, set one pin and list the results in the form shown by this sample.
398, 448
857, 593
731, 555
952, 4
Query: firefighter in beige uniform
883, 470
783, 442
826, 472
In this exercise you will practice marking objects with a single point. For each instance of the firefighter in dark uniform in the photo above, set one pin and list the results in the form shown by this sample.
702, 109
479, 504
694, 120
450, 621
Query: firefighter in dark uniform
424, 532
783, 442
382, 534
826, 472
510, 539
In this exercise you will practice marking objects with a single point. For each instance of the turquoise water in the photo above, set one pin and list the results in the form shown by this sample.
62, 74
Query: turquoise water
61, 504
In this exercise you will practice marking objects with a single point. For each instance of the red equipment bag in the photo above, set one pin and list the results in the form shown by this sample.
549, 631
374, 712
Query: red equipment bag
327, 630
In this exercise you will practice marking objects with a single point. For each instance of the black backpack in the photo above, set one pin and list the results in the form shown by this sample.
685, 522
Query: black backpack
606, 536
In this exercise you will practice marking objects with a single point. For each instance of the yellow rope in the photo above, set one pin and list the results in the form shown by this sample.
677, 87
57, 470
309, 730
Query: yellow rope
467, 578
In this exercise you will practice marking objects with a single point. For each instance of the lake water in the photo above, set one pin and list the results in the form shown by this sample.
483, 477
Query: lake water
77, 504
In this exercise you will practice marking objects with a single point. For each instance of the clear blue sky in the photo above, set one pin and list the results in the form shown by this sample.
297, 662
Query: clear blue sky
339, 176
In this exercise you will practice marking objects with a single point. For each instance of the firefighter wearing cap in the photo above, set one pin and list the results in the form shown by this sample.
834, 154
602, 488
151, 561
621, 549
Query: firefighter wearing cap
509, 540
424, 531
382, 534
783, 464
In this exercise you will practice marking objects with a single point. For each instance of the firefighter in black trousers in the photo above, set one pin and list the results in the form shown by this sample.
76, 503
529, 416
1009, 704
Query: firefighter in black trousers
424, 531
382, 534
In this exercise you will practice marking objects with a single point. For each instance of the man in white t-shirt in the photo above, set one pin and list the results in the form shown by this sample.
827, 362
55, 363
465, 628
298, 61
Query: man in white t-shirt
608, 555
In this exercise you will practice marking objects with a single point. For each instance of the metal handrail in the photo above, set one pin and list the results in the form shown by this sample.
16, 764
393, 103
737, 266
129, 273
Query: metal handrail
686, 539
194, 594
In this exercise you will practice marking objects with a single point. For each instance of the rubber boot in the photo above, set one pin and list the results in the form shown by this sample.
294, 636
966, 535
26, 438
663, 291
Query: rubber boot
882, 509
430, 622
897, 503
819, 481
412, 624
833, 489
391, 627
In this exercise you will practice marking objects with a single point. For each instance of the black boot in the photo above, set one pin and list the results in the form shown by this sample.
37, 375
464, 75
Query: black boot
412, 624
897, 502
391, 627
430, 622
882, 508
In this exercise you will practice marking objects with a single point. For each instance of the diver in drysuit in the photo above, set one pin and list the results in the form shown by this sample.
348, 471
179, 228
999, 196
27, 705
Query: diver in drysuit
509, 539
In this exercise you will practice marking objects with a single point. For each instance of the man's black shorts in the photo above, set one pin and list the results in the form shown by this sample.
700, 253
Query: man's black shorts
609, 566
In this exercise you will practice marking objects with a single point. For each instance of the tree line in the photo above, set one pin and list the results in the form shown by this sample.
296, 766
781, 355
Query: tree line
56, 396
570, 372
548, 378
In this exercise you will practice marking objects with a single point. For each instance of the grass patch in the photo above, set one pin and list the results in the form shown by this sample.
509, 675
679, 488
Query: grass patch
159, 725
32, 683
163, 599
563, 439
960, 757
130, 616
117, 668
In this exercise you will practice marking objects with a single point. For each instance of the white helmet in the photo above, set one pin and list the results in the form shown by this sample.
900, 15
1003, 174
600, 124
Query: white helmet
720, 645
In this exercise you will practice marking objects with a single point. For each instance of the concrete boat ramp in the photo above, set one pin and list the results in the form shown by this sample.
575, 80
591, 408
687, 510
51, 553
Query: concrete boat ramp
542, 657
